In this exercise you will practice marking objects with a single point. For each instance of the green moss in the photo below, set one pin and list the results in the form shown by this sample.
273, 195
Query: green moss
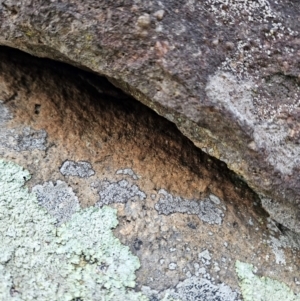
89, 37
79, 259
29, 33
256, 288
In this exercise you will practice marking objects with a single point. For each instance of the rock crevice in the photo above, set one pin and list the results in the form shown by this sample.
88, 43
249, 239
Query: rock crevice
225, 72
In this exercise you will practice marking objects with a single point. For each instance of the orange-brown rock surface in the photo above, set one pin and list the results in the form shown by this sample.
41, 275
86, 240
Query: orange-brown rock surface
225, 72
183, 213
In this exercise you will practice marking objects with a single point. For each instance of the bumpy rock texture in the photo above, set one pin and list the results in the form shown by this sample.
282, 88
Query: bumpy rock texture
225, 72
79, 260
183, 214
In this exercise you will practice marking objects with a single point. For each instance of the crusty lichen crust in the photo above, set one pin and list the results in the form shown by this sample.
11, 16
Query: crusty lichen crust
81, 259
256, 288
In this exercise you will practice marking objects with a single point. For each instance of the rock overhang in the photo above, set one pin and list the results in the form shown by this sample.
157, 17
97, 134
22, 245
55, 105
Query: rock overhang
103, 147
226, 73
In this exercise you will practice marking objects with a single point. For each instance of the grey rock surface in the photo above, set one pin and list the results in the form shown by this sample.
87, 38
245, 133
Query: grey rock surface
225, 72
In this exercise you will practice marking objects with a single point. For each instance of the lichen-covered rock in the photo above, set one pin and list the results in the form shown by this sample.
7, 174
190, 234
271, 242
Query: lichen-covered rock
80, 169
206, 210
139, 160
194, 289
117, 192
225, 72
26, 139
59, 200
255, 288
81, 259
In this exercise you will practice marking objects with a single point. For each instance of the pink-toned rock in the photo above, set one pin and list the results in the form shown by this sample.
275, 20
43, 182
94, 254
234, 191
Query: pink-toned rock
223, 95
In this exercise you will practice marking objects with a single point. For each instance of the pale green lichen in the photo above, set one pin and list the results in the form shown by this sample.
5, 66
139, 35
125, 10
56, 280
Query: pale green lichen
80, 259
255, 288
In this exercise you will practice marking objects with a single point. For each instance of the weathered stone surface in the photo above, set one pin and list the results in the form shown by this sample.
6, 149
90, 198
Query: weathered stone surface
225, 72
195, 230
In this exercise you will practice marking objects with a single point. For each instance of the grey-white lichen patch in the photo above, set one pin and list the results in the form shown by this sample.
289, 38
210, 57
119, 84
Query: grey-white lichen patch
172, 266
205, 257
284, 216
31, 139
278, 251
118, 192
281, 239
224, 89
129, 172
58, 198
206, 210
192, 289
290, 239
255, 12
79, 260
195, 288
256, 288
4, 114
214, 199
26, 139
269, 132
80, 169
